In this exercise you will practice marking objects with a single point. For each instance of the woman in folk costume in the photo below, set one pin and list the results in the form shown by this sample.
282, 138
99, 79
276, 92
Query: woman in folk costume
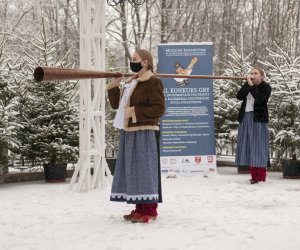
140, 102
253, 132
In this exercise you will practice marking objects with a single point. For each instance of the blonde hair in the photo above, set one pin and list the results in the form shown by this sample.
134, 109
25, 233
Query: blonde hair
146, 55
261, 71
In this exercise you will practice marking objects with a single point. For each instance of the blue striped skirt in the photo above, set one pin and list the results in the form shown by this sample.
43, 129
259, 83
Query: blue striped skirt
252, 142
137, 173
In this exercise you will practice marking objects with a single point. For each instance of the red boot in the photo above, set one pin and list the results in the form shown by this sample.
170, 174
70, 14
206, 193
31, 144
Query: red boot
148, 212
254, 175
137, 210
262, 174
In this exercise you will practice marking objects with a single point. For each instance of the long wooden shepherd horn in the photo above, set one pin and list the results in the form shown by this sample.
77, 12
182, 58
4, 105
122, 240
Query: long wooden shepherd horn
46, 74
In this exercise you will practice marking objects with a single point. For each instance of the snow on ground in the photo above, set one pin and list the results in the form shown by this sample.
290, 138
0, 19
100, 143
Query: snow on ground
222, 211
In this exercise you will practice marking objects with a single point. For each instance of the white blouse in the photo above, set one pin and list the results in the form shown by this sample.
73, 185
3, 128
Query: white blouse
119, 119
250, 103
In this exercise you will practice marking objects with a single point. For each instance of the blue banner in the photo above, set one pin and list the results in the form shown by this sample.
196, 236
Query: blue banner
187, 128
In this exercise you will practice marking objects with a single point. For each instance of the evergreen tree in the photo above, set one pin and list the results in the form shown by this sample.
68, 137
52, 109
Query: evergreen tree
284, 73
9, 80
48, 111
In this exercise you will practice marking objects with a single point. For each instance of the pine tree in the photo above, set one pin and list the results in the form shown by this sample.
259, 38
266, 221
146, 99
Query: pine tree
284, 72
9, 80
48, 111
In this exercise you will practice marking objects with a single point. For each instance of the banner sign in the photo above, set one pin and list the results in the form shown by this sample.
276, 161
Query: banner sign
187, 128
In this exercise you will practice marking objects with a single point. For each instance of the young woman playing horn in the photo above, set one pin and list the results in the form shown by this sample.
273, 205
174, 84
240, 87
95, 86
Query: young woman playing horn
253, 132
140, 103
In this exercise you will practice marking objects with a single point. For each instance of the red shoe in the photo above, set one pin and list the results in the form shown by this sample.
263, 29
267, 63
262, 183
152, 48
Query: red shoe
138, 209
141, 218
254, 175
262, 174
147, 212
129, 216
253, 181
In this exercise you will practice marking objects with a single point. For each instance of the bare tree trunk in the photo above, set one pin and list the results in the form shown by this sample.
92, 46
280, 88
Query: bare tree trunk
297, 31
123, 18
66, 22
5, 9
163, 16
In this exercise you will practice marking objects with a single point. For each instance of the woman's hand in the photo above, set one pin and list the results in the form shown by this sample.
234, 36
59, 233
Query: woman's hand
249, 80
128, 111
119, 79
116, 82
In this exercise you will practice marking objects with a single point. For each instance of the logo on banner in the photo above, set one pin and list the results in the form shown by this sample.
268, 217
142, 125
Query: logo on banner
197, 159
185, 160
210, 159
181, 70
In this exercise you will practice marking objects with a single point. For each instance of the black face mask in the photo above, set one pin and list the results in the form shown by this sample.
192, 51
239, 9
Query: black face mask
135, 67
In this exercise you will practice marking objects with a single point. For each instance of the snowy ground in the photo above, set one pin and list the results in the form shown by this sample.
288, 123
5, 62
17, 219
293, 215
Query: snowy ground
219, 212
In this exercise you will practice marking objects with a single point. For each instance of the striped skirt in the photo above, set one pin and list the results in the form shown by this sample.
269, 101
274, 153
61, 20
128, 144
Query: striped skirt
252, 142
137, 172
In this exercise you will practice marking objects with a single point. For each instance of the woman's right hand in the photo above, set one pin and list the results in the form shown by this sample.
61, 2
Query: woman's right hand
249, 80
119, 79
116, 82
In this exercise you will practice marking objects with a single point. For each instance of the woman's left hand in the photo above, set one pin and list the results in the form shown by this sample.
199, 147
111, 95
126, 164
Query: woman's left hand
128, 111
